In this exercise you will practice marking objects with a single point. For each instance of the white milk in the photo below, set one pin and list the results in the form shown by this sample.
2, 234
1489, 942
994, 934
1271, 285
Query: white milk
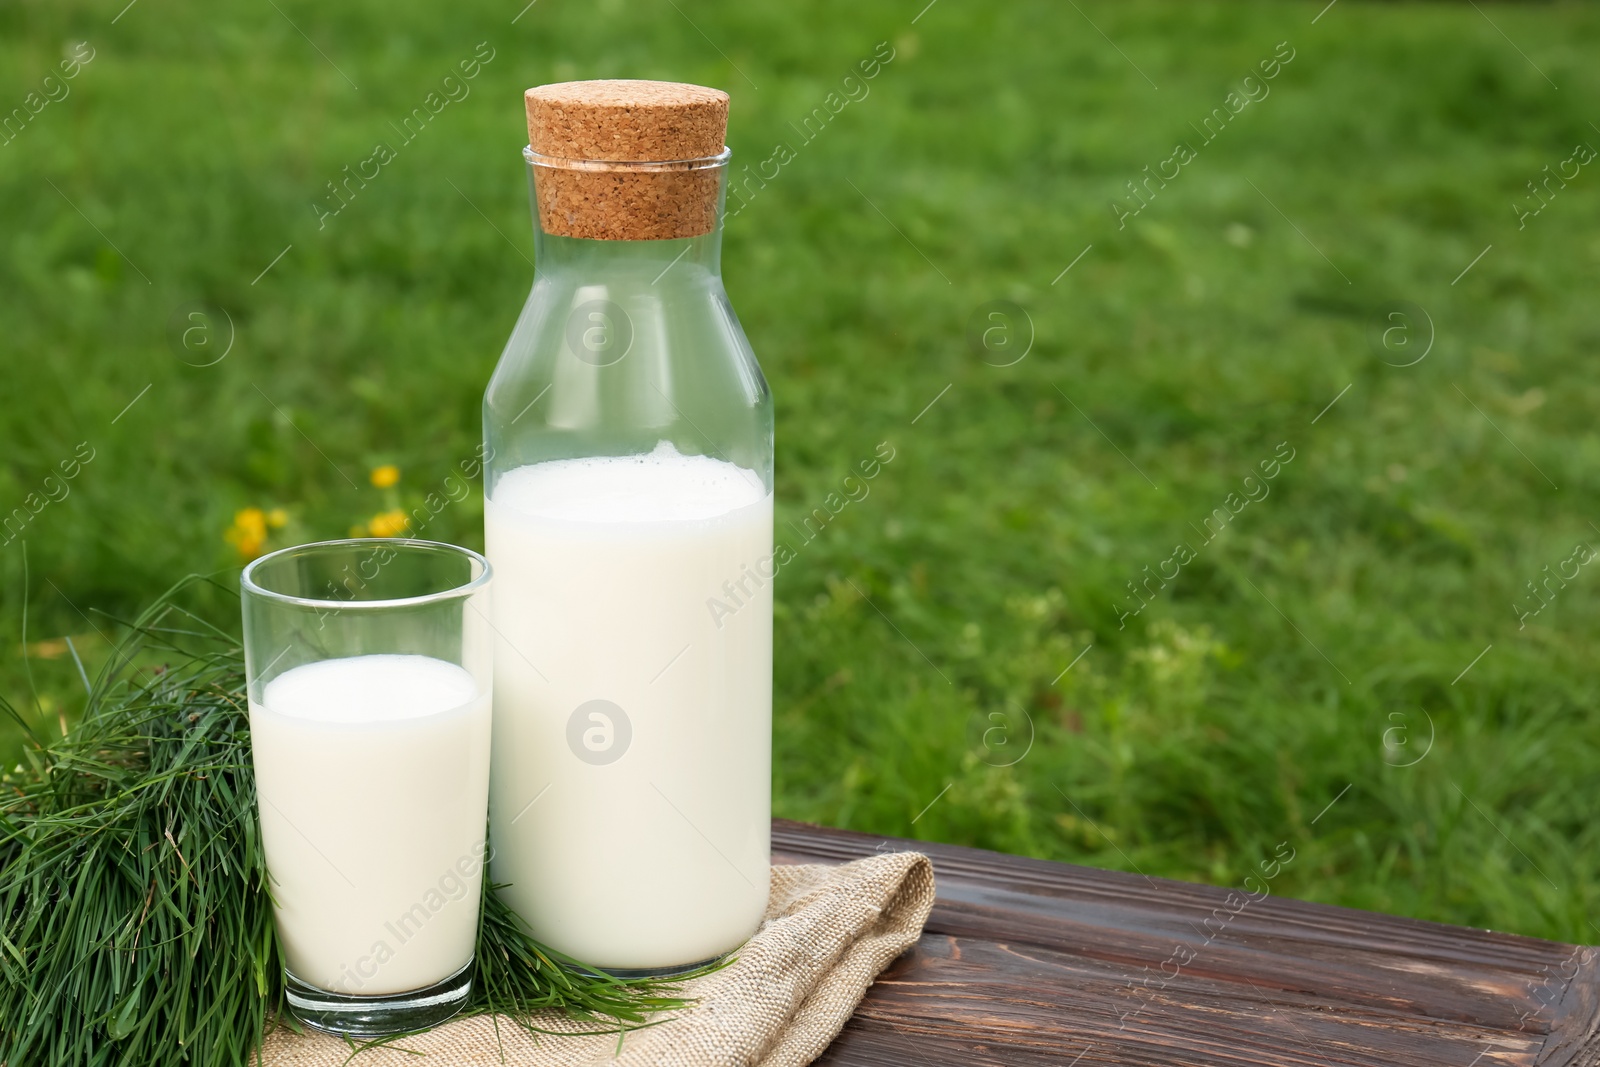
372, 773
639, 838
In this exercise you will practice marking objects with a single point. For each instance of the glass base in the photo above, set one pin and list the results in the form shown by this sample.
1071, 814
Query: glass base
380, 1016
652, 972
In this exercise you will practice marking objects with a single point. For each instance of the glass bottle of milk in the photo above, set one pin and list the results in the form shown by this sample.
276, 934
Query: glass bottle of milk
628, 515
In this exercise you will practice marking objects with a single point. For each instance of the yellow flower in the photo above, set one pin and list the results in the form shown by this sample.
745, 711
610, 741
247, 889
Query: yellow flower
386, 476
389, 523
277, 518
248, 533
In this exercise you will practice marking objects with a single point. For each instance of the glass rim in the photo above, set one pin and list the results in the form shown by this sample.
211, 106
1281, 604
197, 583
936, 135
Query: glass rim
535, 159
249, 585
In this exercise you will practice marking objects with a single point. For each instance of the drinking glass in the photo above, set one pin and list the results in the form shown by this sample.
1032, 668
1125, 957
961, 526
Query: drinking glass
369, 671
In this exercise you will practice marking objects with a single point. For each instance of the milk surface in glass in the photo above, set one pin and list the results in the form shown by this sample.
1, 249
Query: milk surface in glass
631, 794
372, 773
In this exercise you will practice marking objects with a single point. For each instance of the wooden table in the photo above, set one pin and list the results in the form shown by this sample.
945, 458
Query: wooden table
1029, 962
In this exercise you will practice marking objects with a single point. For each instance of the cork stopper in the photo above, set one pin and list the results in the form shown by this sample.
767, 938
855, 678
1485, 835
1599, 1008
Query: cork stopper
626, 160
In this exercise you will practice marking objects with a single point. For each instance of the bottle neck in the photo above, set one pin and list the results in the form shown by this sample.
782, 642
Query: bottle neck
653, 261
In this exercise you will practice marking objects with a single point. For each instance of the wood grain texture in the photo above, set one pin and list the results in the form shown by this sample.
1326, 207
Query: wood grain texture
1028, 962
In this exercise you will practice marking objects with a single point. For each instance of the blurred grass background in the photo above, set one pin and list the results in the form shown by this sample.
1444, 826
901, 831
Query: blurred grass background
1312, 654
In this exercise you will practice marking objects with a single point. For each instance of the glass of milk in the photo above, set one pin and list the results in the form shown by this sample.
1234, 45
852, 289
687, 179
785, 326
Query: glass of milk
369, 668
628, 474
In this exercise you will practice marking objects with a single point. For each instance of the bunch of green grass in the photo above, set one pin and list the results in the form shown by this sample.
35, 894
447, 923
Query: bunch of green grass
135, 922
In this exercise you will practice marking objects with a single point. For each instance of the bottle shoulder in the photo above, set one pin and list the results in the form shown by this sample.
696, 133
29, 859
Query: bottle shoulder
650, 329
614, 364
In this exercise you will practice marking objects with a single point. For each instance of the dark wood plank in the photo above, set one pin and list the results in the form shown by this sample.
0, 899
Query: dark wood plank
1575, 1029
1029, 962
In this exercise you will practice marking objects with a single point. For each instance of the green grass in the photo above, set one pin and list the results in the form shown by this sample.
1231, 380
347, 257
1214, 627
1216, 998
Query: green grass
1176, 355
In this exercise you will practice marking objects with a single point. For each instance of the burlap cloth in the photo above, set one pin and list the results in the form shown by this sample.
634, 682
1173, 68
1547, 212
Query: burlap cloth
828, 933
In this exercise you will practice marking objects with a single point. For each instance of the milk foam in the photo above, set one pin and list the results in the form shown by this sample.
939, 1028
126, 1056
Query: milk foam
662, 485
364, 689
